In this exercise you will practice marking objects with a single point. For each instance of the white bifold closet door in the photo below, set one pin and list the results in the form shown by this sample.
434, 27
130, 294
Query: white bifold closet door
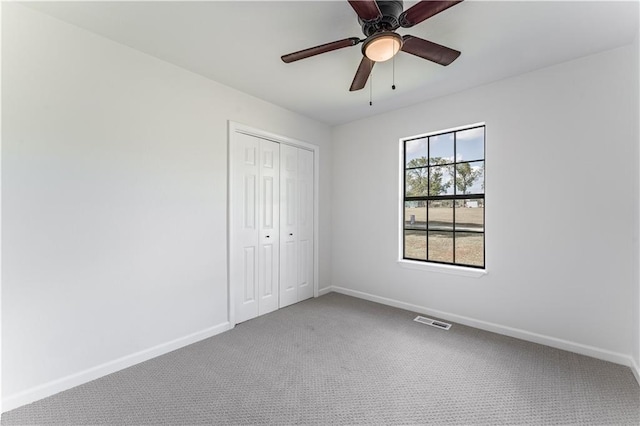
271, 234
255, 257
296, 225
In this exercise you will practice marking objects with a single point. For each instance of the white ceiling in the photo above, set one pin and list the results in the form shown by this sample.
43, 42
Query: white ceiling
240, 43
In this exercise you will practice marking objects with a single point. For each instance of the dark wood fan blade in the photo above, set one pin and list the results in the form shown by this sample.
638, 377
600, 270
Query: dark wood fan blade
423, 10
362, 75
367, 10
428, 50
323, 48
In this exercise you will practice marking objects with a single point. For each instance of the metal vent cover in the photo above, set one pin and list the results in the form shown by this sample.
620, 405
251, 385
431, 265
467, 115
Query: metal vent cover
433, 323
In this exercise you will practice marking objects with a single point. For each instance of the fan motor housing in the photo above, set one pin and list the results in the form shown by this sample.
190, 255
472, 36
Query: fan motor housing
390, 10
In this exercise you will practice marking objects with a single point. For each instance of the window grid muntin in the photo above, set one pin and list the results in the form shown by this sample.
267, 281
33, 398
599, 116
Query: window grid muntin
453, 197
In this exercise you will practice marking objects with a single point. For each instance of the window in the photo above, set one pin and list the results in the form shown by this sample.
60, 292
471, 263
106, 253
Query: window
443, 197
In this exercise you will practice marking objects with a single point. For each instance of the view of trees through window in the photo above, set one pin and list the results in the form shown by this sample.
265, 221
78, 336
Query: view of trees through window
444, 198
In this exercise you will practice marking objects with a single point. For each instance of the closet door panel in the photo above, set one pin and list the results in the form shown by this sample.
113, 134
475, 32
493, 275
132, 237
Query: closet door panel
269, 217
305, 224
245, 227
288, 225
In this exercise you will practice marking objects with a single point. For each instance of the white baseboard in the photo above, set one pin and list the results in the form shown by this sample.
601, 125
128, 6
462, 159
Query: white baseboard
554, 342
323, 291
636, 370
47, 389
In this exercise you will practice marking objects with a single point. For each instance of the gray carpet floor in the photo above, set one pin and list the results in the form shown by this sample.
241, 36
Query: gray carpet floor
341, 360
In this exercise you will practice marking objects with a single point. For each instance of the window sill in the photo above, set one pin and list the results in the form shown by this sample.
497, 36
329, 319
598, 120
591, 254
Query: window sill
445, 269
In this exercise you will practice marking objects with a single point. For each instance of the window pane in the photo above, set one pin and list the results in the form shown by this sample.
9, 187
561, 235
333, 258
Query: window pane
470, 178
415, 244
416, 152
470, 144
415, 215
440, 180
443, 218
441, 215
469, 248
441, 246
416, 182
441, 149
469, 215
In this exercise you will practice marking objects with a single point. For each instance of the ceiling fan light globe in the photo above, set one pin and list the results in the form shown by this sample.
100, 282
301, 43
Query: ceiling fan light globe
382, 46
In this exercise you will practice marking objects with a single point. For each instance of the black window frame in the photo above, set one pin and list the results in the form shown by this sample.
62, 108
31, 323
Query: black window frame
455, 197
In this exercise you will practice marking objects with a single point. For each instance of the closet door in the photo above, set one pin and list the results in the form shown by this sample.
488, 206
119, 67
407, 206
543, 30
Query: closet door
254, 226
288, 225
305, 224
269, 235
271, 225
296, 225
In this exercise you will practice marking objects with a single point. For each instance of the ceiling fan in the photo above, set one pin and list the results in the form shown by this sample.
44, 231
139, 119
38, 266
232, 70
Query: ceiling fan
379, 20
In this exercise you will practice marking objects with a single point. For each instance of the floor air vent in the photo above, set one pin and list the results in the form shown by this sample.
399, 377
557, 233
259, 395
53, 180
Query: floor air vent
432, 322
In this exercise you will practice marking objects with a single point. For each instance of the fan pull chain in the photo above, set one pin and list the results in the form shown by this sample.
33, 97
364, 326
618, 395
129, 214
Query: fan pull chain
371, 89
393, 83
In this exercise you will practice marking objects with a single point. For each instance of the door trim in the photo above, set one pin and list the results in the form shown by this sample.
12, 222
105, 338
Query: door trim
233, 129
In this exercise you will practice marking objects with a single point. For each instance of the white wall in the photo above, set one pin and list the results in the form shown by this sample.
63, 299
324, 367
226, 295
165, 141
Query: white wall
114, 176
561, 157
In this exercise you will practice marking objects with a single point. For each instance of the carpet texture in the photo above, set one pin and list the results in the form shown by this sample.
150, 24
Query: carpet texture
341, 360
